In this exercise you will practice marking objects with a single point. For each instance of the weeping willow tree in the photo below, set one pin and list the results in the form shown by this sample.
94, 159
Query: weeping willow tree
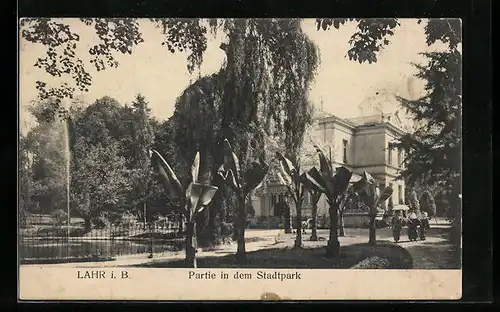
260, 91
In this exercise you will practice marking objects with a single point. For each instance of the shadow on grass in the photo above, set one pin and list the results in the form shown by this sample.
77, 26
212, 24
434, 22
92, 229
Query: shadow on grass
437, 255
307, 258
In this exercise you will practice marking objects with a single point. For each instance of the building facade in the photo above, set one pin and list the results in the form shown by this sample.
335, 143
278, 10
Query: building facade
360, 144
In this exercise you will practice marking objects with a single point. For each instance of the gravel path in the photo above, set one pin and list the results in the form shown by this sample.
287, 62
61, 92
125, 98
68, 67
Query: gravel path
433, 253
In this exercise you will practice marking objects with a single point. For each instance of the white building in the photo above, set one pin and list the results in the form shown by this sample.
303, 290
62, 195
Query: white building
360, 144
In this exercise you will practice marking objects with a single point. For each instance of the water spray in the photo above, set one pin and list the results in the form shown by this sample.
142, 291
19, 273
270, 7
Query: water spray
67, 155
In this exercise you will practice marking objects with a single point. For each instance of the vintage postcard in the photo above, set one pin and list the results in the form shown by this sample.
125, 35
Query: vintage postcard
239, 159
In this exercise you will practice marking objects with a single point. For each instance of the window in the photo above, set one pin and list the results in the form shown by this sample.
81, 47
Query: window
306, 198
400, 194
273, 202
389, 155
281, 198
400, 157
345, 151
278, 209
274, 199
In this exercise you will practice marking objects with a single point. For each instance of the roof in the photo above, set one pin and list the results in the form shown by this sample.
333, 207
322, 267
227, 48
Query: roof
401, 207
319, 114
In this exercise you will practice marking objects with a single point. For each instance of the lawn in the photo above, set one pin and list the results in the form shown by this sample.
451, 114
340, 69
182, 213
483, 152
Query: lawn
303, 258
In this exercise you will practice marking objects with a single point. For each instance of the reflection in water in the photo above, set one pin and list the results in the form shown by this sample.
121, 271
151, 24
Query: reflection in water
109, 248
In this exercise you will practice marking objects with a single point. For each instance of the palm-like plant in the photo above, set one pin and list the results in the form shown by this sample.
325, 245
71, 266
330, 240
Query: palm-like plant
242, 182
333, 185
371, 195
194, 198
315, 192
289, 175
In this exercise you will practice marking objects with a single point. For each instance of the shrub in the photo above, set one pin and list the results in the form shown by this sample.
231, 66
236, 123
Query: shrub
428, 204
59, 217
25, 218
227, 229
253, 223
101, 221
323, 222
128, 219
373, 263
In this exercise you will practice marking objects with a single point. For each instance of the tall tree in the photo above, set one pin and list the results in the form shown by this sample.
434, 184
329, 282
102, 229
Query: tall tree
100, 179
195, 126
47, 141
433, 149
100, 182
25, 184
142, 138
269, 66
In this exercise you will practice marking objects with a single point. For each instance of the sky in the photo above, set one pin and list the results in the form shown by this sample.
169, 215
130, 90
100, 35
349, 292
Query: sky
342, 87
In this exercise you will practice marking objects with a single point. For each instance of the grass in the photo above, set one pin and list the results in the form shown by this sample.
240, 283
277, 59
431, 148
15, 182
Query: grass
302, 258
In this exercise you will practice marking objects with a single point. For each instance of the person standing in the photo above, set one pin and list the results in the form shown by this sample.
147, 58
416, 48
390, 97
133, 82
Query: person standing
413, 226
396, 224
424, 225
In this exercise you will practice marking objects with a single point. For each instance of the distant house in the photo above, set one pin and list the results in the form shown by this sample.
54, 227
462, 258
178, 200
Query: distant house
360, 144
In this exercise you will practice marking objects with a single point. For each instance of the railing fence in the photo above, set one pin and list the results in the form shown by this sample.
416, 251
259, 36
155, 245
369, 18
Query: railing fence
51, 243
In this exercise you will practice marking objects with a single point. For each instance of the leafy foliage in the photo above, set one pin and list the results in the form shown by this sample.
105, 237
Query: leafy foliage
427, 203
242, 180
296, 184
197, 196
432, 149
109, 146
142, 137
61, 59
373, 35
46, 172
99, 182
373, 195
369, 39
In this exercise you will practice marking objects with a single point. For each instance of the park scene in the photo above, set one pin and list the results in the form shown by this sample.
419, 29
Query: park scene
240, 143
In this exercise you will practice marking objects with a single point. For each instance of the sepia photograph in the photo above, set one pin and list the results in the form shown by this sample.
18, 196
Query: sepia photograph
239, 154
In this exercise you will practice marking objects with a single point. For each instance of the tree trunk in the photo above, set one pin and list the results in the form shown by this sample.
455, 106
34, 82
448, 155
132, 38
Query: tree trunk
213, 232
181, 222
314, 222
287, 219
144, 213
298, 238
191, 245
415, 205
240, 225
333, 247
373, 230
341, 226
88, 224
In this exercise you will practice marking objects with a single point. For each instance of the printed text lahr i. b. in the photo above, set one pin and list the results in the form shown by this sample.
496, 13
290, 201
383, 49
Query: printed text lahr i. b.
260, 275
100, 274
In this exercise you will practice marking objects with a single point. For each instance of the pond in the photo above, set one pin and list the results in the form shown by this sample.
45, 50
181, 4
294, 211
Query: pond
59, 248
